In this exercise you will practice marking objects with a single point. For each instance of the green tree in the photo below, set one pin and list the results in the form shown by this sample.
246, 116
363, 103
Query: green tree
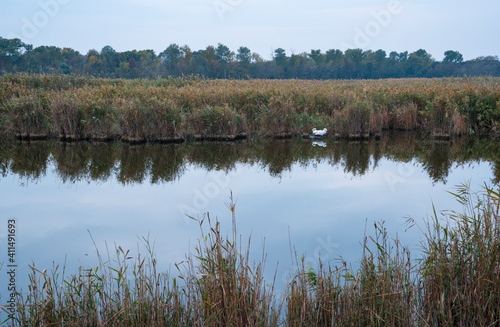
394, 66
256, 58
418, 63
403, 56
334, 55
123, 70
204, 61
280, 56
46, 59
187, 54
355, 57
74, 60
93, 66
172, 54
393, 56
187, 63
316, 56
244, 56
147, 64
109, 59
171, 58
65, 69
451, 56
379, 64
209, 54
380, 56
11, 54
334, 60
219, 62
223, 54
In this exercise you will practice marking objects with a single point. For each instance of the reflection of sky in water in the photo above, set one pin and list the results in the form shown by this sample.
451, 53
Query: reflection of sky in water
321, 208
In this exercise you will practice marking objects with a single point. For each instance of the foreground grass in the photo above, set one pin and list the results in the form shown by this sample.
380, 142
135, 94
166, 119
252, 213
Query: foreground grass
74, 108
456, 283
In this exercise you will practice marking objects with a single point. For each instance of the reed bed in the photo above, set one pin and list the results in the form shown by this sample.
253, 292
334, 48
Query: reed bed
461, 269
73, 107
455, 282
382, 292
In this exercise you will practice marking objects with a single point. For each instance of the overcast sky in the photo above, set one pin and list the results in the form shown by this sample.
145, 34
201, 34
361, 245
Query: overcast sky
471, 27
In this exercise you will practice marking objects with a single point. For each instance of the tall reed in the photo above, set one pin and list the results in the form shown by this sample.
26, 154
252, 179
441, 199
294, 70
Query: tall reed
460, 283
381, 292
224, 287
219, 122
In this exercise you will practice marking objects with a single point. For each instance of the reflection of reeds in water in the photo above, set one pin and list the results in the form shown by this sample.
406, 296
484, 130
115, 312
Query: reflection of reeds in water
130, 163
216, 155
28, 161
161, 163
455, 283
166, 163
36, 106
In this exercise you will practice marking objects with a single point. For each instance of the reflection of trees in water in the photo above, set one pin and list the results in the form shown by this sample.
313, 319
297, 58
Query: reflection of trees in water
353, 156
483, 149
496, 171
134, 164
277, 157
212, 155
167, 163
437, 161
75, 161
160, 163
103, 161
29, 159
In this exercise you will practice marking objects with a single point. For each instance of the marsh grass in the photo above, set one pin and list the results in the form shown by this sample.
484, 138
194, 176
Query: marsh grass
216, 285
455, 283
28, 117
149, 120
216, 123
405, 117
380, 293
83, 115
461, 267
225, 287
73, 107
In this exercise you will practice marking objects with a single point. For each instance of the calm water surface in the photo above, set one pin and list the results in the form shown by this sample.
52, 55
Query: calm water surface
318, 196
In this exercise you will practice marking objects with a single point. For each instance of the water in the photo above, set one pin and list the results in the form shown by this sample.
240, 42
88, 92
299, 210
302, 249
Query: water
318, 196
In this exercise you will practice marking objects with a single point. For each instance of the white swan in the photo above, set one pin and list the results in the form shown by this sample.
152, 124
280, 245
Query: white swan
319, 143
320, 132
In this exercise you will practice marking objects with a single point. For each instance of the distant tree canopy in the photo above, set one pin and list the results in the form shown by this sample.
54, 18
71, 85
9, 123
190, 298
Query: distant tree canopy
220, 62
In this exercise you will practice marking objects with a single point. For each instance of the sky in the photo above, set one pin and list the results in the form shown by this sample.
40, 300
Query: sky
261, 25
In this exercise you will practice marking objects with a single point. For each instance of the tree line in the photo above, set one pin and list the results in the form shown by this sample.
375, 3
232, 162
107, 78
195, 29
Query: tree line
220, 62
